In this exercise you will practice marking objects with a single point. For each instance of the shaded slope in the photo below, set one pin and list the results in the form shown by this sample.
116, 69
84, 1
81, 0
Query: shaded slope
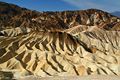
58, 53
68, 43
13, 16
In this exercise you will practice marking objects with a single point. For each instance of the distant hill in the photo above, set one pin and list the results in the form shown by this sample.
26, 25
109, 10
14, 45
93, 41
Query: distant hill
12, 16
116, 13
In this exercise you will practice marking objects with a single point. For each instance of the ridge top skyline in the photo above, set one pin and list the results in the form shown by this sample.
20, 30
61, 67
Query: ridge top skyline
62, 5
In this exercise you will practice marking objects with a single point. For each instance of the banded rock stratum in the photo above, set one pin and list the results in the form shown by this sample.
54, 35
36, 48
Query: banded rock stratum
74, 44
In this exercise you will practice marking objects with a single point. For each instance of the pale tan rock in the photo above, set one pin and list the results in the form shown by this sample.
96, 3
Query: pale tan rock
81, 70
61, 54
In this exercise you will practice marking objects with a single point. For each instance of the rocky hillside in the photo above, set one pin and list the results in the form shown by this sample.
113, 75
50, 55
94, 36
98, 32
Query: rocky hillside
68, 43
12, 16
61, 54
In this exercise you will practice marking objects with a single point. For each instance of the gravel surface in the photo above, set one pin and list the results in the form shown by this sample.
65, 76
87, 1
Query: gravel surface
95, 77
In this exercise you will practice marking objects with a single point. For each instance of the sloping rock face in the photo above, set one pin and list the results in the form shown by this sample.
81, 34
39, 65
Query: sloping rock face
69, 43
61, 54
20, 17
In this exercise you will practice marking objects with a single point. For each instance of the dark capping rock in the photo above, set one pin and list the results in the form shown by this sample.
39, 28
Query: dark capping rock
4, 75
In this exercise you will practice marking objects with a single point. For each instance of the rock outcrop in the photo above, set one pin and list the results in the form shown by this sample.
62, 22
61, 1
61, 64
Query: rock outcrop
69, 43
59, 53
20, 17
